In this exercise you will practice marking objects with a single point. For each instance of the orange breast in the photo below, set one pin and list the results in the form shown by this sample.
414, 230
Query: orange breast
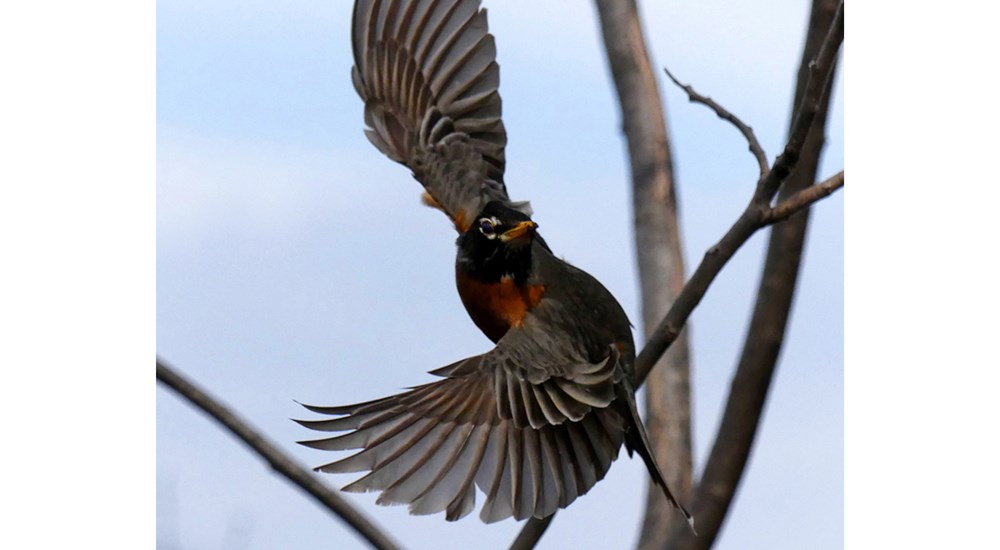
495, 307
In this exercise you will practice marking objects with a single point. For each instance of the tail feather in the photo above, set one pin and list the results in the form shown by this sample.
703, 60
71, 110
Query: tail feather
637, 440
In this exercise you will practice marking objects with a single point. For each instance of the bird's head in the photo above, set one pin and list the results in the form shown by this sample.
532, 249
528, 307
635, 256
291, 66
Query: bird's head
498, 244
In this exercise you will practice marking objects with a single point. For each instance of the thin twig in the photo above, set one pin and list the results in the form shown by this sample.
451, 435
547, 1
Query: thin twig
274, 457
723, 113
804, 198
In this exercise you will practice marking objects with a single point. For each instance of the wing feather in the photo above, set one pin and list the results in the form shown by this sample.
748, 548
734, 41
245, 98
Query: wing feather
533, 423
483, 424
427, 73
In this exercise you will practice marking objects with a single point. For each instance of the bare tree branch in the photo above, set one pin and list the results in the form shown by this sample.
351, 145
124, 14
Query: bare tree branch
274, 457
750, 385
531, 532
711, 264
723, 113
749, 222
659, 256
804, 198
809, 100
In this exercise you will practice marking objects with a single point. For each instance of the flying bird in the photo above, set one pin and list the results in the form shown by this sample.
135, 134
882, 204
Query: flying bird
536, 421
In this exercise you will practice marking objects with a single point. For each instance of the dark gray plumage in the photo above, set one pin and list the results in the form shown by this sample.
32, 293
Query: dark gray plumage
538, 420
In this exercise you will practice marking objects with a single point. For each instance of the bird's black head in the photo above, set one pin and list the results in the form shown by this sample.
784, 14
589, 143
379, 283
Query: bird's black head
497, 244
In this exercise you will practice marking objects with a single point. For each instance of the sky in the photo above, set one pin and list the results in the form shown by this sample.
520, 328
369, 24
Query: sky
294, 261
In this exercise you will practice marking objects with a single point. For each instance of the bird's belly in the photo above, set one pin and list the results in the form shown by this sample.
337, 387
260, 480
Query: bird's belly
495, 307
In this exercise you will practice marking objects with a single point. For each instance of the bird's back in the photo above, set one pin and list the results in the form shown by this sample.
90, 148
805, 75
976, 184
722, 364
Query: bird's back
592, 312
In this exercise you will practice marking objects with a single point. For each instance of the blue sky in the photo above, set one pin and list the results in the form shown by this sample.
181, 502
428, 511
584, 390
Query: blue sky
294, 261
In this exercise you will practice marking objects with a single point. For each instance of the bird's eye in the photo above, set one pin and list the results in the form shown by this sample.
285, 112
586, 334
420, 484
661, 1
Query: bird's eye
487, 227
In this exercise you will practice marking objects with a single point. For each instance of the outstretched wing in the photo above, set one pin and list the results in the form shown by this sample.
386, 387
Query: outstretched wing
532, 439
427, 72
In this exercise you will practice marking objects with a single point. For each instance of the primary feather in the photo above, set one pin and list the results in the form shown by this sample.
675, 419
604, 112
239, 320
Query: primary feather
427, 73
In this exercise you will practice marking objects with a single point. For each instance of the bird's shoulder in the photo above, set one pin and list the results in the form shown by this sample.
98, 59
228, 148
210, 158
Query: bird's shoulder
576, 302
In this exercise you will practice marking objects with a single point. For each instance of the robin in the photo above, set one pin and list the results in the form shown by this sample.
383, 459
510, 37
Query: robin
536, 421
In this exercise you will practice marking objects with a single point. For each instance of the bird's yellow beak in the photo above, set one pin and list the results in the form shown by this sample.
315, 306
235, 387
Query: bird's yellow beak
518, 231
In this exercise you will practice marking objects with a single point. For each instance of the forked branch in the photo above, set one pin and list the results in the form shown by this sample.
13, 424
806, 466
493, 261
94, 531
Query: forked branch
802, 199
820, 71
765, 334
756, 215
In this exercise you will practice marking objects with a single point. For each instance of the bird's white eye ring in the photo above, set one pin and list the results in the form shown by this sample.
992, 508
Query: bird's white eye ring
487, 226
